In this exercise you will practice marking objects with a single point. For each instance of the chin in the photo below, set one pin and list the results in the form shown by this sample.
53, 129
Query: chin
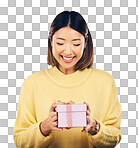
66, 66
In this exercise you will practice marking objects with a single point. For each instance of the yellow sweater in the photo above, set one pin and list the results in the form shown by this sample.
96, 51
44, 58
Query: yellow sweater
41, 89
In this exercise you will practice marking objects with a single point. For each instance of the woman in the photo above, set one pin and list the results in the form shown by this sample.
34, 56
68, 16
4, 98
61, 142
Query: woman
70, 80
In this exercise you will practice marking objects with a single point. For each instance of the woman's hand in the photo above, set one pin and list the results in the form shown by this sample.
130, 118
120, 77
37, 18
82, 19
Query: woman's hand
51, 123
91, 123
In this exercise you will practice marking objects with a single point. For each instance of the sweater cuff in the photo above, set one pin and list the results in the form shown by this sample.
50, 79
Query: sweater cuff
103, 138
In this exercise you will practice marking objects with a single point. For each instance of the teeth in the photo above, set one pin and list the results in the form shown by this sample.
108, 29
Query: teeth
67, 58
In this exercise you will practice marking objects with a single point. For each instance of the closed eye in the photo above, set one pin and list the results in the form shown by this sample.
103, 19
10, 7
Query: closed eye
73, 44
76, 44
59, 44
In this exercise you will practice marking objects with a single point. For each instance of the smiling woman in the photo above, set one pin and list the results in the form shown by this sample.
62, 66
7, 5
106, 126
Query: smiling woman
72, 80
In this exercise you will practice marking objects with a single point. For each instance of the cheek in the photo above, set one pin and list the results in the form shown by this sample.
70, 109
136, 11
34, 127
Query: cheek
55, 49
81, 49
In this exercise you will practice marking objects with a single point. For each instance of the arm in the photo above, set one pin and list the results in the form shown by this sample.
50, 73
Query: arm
109, 134
27, 133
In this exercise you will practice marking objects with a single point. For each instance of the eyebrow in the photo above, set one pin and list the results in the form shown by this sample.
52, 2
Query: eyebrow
64, 39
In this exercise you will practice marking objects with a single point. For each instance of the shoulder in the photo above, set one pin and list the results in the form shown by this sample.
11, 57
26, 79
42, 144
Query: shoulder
103, 76
102, 73
36, 76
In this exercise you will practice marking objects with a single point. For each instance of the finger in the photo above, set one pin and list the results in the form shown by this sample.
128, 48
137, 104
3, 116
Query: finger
60, 102
53, 106
88, 113
57, 129
52, 114
54, 118
83, 129
86, 129
71, 102
88, 107
88, 118
55, 124
88, 124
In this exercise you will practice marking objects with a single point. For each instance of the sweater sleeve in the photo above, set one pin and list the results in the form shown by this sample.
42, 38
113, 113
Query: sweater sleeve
27, 133
109, 134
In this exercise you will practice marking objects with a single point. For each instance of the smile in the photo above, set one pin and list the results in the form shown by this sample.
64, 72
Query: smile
67, 60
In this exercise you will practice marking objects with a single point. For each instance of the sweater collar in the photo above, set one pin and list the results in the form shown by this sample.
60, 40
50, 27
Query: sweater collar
69, 80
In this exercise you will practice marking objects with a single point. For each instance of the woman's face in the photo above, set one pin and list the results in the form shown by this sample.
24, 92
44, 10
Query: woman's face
67, 43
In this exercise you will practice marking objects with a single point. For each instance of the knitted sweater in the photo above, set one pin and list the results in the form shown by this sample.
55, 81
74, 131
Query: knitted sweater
41, 89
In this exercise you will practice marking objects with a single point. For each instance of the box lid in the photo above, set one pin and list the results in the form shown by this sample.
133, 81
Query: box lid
71, 107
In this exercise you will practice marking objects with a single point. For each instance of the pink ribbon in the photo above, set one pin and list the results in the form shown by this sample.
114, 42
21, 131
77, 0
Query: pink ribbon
69, 115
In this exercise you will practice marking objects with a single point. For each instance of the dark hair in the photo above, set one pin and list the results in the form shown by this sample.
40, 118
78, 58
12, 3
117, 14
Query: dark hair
75, 21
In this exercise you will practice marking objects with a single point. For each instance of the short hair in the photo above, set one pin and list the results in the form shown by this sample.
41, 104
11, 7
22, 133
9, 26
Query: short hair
75, 21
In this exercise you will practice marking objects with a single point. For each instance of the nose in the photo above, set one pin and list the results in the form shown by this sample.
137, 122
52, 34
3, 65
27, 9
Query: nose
67, 49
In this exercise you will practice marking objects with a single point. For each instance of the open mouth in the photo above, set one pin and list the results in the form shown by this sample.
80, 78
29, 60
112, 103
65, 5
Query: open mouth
67, 58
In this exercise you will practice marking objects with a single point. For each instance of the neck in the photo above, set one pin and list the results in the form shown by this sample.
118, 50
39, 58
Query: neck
66, 71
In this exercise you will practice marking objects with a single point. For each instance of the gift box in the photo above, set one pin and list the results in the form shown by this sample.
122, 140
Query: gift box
72, 115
